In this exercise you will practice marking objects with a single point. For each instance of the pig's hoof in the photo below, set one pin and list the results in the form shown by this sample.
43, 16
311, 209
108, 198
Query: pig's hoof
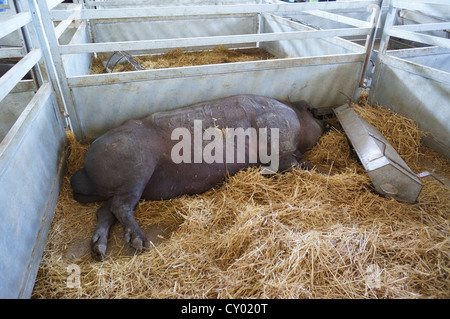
136, 239
98, 251
98, 246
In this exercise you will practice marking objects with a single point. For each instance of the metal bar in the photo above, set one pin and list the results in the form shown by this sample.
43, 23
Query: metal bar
413, 52
14, 22
36, 71
12, 52
61, 27
418, 17
419, 37
18, 130
45, 32
419, 69
423, 27
23, 86
53, 3
406, 3
182, 11
370, 42
389, 22
346, 44
340, 18
193, 71
107, 3
201, 41
9, 80
436, 8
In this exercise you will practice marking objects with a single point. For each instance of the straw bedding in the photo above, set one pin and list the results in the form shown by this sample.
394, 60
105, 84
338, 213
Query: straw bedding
299, 234
179, 58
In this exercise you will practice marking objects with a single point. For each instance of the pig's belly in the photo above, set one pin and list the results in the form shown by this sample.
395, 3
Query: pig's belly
178, 179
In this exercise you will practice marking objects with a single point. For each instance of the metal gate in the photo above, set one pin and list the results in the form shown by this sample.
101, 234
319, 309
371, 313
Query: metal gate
32, 142
415, 81
315, 64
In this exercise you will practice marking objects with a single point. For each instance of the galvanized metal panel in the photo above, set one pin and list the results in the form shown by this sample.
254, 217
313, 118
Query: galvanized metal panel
170, 28
154, 29
10, 109
417, 92
301, 47
436, 61
118, 97
101, 107
416, 82
30, 172
78, 64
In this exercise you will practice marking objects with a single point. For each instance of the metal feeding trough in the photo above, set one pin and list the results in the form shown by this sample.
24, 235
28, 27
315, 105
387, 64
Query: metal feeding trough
388, 172
122, 58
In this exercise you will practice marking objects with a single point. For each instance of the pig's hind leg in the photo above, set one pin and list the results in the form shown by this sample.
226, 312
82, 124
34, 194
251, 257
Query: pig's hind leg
105, 219
122, 207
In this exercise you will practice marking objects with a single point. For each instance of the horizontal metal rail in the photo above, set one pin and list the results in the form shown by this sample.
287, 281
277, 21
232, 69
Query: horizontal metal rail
408, 3
63, 25
414, 52
348, 45
9, 80
436, 8
180, 11
419, 37
202, 41
11, 141
14, 22
135, 3
340, 18
204, 70
423, 27
53, 3
416, 68
12, 52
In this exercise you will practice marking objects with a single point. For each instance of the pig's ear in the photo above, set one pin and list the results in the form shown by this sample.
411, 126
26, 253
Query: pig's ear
313, 111
303, 105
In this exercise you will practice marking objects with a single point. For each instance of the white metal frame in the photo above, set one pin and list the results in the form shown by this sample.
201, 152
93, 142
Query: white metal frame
34, 146
430, 106
437, 45
360, 27
412, 32
48, 16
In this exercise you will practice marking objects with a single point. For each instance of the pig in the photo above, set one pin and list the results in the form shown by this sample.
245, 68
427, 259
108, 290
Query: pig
172, 153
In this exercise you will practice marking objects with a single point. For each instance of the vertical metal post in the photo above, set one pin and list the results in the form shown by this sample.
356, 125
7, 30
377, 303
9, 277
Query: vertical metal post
390, 21
28, 45
370, 43
45, 33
